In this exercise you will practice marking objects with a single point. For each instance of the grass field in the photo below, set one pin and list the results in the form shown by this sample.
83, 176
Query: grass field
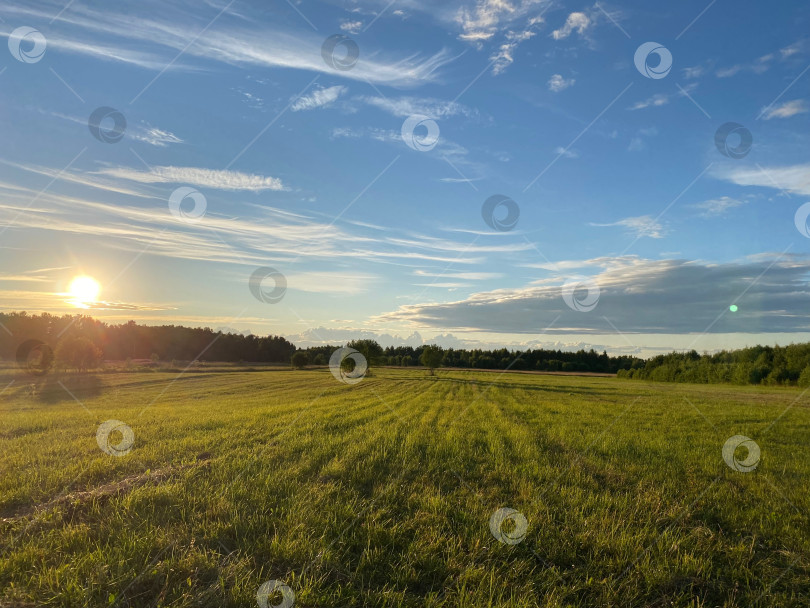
381, 493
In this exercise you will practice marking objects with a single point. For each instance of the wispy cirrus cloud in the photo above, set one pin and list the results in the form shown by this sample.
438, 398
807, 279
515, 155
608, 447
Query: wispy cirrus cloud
266, 234
717, 206
143, 132
786, 110
762, 64
204, 178
121, 35
662, 99
791, 178
431, 107
641, 226
318, 98
155, 137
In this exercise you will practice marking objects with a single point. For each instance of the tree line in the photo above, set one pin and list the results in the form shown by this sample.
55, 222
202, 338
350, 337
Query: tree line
80, 340
771, 365
502, 358
71, 333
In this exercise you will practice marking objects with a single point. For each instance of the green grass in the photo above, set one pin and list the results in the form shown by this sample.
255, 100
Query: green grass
380, 493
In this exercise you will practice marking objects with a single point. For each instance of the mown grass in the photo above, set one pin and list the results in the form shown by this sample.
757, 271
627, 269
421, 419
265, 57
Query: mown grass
380, 493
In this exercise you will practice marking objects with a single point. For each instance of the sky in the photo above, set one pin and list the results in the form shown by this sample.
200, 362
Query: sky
625, 176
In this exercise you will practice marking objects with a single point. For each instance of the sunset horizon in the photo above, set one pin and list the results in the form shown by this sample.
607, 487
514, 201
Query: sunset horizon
397, 196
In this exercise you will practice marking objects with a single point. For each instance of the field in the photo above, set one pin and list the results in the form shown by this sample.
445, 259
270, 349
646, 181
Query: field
381, 493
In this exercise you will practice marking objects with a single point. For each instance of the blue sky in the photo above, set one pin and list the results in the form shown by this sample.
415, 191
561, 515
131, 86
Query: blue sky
309, 163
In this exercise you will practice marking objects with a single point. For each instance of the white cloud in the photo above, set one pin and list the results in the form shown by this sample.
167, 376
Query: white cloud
155, 137
318, 98
641, 226
659, 99
353, 27
578, 22
408, 106
460, 180
761, 64
793, 178
717, 206
204, 178
693, 72
791, 50
557, 83
144, 132
727, 72
786, 110
662, 99
559, 150
487, 17
462, 276
255, 44
504, 57
636, 145
375, 133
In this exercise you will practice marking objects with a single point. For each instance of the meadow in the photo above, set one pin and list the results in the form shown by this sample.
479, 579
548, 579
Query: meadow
382, 493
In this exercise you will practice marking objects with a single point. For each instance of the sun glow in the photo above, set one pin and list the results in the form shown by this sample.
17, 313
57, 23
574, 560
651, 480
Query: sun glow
84, 290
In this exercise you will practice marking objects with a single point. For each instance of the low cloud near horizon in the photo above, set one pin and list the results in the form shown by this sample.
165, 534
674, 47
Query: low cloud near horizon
640, 296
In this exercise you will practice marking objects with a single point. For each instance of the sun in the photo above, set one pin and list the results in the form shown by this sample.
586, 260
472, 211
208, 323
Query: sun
84, 290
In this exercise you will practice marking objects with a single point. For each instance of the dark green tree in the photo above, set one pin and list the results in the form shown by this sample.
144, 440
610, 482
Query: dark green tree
77, 352
300, 360
432, 357
372, 351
